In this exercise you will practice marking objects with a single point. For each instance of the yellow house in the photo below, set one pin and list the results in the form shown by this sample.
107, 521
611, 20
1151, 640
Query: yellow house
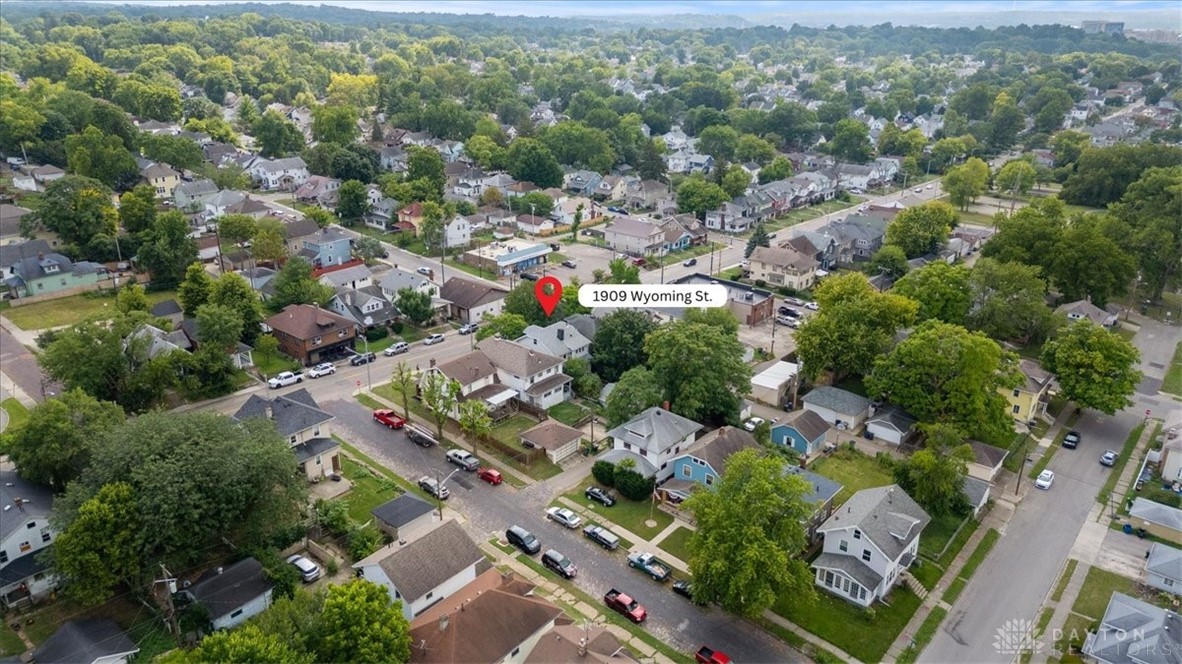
1029, 400
162, 178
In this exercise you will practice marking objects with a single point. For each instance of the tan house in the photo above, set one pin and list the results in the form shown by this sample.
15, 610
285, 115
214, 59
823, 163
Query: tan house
987, 460
298, 418
784, 267
1029, 400
162, 178
477, 378
311, 334
559, 441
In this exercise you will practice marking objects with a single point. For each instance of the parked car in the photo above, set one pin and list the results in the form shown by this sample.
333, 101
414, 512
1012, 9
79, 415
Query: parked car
708, 655
649, 564
570, 264
690, 262
420, 436
564, 516
685, 588
794, 301
788, 320
468, 328
362, 358
490, 475
554, 246
625, 605
523, 539
309, 571
1071, 440
788, 311
396, 348
812, 306
529, 276
425, 271
1045, 479
387, 417
602, 536
750, 424
638, 261
560, 564
464, 459
918, 189
285, 378
1109, 458
594, 493
433, 339
322, 369
432, 487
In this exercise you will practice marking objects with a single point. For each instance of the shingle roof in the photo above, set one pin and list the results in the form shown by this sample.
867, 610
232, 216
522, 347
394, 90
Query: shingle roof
1133, 631
807, 423
310, 449
304, 321
167, 307
84, 641
975, 490
550, 435
837, 400
35, 501
159, 171
633, 227
11, 254
468, 368
888, 516
420, 566
300, 228
722, 445
197, 187
1036, 376
347, 275
1165, 560
643, 465
895, 417
236, 585
467, 294
291, 413
402, 510
822, 488
655, 430
395, 280
1157, 513
516, 359
557, 338
987, 455
562, 644
851, 566
784, 257
1086, 309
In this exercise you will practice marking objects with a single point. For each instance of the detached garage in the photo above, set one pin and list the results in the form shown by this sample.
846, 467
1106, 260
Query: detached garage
891, 424
559, 440
841, 408
772, 384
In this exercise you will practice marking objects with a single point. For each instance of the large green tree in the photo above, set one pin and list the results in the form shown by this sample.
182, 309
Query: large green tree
966, 182
619, 343
1148, 227
246, 645
1089, 264
531, 161
334, 123
942, 291
1094, 367
697, 196
700, 369
935, 475
167, 249
352, 202
276, 136
233, 291
76, 208
851, 141
921, 229
507, 324
636, 391
53, 446
415, 306
441, 396
137, 209
745, 551
194, 289
103, 157
1008, 302
294, 284
360, 623
97, 546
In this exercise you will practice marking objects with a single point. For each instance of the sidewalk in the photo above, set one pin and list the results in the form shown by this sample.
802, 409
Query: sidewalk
772, 617
1062, 609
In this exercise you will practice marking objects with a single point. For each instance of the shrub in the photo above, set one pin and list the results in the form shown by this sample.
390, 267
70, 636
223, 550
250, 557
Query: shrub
333, 515
363, 541
604, 473
331, 567
396, 327
760, 283
376, 334
632, 485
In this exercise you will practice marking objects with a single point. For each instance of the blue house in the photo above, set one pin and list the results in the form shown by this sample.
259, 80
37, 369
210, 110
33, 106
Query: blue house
328, 247
705, 462
803, 431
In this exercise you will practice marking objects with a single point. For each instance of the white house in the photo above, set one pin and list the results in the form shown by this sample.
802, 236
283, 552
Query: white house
24, 532
652, 439
1133, 631
1163, 568
632, 235
284, 174
458, 232
560, 339
844, 409
232, 595
395, 280
891, 424
470, 300
869, 542
477, 378
536, 376
306, 427
424, 571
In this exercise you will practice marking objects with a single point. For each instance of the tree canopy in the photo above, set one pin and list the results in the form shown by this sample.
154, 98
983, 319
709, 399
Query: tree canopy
1095, 368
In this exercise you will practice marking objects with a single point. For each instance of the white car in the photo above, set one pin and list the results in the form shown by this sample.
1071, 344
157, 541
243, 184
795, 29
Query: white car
309, 571
1045, 478
324, 369
812, 306
788, 320
433, 339
564, 516
424, 270
750, 424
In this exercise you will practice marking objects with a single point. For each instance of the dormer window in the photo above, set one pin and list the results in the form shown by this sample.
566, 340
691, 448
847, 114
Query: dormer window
857, 534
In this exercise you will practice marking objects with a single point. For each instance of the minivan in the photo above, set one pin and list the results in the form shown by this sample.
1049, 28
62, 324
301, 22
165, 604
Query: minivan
523, 539
560, 564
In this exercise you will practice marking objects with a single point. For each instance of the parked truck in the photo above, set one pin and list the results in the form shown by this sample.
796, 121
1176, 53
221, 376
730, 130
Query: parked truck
708, 655
285, 378
388, 418
625, 605
649, 564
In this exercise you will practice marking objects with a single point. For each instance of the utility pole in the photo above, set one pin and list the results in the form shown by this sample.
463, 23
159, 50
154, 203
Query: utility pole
439, 488
170, 588
1022, 468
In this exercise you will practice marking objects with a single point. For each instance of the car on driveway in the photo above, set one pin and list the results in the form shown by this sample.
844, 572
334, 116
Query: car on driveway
1045, 479
309, 571
1109, 458
433, 339
812, 306
690, 262
563, 516
490, 475
322, 369
595, 494
788, 320
750, 424
464, 459
1071, 440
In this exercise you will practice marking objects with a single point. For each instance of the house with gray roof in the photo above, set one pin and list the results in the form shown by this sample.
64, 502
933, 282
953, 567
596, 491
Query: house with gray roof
1085, 310
426, 570
987, 460
560, 441
284, 174
25, 531
86, 641
1163, 568
47, 273
822, 494
395, 279
869, 542
535, 375
891, 424
560, 339
843, 408
471, 300
11, 254
477, 378
353, 276
976, 493
704, 463
653, 439
859, 236
234, 594
366, 306
298, 418
1135, 632
803, 430
10, 222
191, 196
1157, 519
405, 517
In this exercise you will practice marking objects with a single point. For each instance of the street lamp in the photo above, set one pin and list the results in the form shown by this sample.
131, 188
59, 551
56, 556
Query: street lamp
439, 489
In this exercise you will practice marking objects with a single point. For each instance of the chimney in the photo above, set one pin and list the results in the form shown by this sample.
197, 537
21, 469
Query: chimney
349, 298
665, 405
40, 255
561, 334
443, 620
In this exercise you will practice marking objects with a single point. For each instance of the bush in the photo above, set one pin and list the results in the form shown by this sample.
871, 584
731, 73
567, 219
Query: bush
333, 515
376, 334
760, 283
331, 567
363, 541
632, 485
396, 327
604, 473
45, 338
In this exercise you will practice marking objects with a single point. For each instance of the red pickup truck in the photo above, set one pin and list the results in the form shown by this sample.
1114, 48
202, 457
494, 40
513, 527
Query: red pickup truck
625, 605
707, 655
388, 418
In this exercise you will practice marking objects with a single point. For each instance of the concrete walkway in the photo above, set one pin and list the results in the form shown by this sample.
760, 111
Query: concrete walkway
1062, 608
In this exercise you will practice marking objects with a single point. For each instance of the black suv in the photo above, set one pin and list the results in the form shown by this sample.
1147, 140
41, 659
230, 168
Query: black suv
362, 358
560, 564
529, 276
1071, 440
594, 493
523, 539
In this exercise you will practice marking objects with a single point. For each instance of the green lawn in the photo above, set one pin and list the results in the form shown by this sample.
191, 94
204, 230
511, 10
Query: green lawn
508, 429
979, 554
938, 533
541, 468
71, 310
853, 470
1172, 383
927, 573
1114, 473
389, 475
568, 412
677, 543
1071, 636
269, 366
628, 514
368, 490
923, 636
10, 644
847, 626
954, 590
17, 413
796, 216
1064, 579
1097, 589
675, 257
962, 538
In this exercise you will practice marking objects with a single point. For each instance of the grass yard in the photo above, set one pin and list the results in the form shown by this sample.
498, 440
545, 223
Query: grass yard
1064, 579
507, 430
269, 366
975, 218
370, 402
677, 543
1071, 638
1114, 473
369, 490
541, 468
10, 643
676, 257
71, 310
17, 413
1097, 589
849, 627
979, 554
804, 214
954, 590
568, 413
853, 470
927, 573
1172, 383
471, 269
628, 514
354, 453
938, 533
958, 543
923, 636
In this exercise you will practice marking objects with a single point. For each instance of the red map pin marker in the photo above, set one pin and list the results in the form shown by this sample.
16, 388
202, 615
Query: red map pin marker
548, 300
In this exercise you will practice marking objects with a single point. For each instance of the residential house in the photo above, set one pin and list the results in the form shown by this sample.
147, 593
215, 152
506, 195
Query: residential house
153, 342
560, 339
49, 273
1133, 631
10, 223
258, 276
187, 336
232, 595
749, 305
783, 267
191, 196
310, 334
507, 257
889, 167
405, 517
86, 641
1163, 568
383, 214
675, 237
775, 383
857, 176
1085, 310
700, 163
869, 541
328, 247
471, 300
396, 279
891, 424
819, 244
12, 254
705, 462
1171, 461
730, 217
285, 174
393, 159
477, 378
635, 236
803, 430
582, 182
611, 188
676, 139
575, 642
425, 570
300, 421
976, 494
844, 409
1029, 400
43, 175
218, 203
296, 232
652, 439
536, 376
535, 225
822, 493
162, 178
367, 306
495, 619
351, 277
251, 207
646, 194
25, 531
168, 310
1157, 519
987, 460
859, 236
560, 441
319, 190
411, 216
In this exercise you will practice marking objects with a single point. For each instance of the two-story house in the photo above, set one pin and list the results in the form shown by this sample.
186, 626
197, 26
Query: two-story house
367, 306
652, 439
582, 182
783, 267
232, 595
310, 334
426, 570
646, 194
1029, 400
730, 217
328, 247
632, 235
457, 233
820, 245
869, 542
296, 232
162, 178
49, 273
191, 196
15, 252
821, 495
560, 339
477, 377
611, 188
284, 174
24, 532
396, 279
319, 190
859, 236
299, 420
705, 461
536, 376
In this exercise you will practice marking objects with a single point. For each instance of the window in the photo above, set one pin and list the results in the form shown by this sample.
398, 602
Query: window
1169, 583
861, 593
315, 341
828, 578
643, 452
3, 556
709, 480
685, 471
627, 446
515, 652
236, 613
1016, 408
866, 555
293, 440
429, 595
317, 459
857, 534
316, 432
31, 524
45, 536
843, 546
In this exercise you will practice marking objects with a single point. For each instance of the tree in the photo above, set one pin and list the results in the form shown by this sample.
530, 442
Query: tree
719, 317
636, 391
779, 169
1068, 145
586, 383
508, 325
107, 362
1089, 264
744, 553
718, 141
132, 298
276, 136
1008, 302
890, 261
851, 141
237, 228
530, 160
935, 478
652, 164
441, 396
1016, 177
294, 284
176, 151
247, 644
1145, 229
700, 369
535, 203
168, 249
103, 157
269, 243
576, 222
368, 248
735, 180
415, 305
402, 379
53, 446
294, 619
966, 182
76, 208
333, 123
697, 196
220, 326
619, 343
1095, 368
233, 291
360, 623
1103, 175
759, 238
352, 201
753, 148
355, 90
194, 289
581, 146
492, 197
486, 152
942, 291
96, 551
921, 229
1005, 122
137, 209
942, 373
267, 347
895, 141
474, 420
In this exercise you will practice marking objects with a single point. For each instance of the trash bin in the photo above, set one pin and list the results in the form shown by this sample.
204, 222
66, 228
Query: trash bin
1128, 528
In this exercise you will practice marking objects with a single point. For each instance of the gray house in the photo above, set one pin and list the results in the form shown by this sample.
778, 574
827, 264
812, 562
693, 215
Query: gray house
1163, 568
87, 641
233, 594
191, 196
1135, 632
844, 409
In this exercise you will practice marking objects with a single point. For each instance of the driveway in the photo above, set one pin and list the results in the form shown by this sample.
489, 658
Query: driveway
490, 510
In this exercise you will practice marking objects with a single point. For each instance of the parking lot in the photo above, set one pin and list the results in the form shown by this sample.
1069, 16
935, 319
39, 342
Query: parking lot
587, 259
